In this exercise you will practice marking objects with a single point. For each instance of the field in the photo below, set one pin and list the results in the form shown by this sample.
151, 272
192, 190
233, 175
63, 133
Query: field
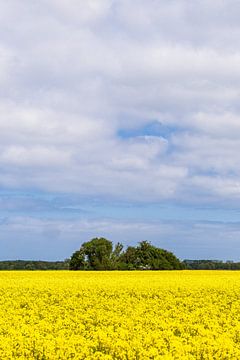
120, 315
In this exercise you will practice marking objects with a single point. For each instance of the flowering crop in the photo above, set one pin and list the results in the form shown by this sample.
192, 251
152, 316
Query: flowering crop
120, 315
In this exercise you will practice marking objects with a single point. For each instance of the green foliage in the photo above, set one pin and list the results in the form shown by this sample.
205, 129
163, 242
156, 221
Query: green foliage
116, 256
211, 265
77, 261
34, 265
98, 254
148, 257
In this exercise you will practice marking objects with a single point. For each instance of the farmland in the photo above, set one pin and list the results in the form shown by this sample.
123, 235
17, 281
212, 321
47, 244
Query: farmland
120, 315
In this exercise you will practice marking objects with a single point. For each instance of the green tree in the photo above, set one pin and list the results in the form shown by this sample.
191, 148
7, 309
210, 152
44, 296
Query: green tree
77, 260
98, 253
129, 259
116, 257
146, 256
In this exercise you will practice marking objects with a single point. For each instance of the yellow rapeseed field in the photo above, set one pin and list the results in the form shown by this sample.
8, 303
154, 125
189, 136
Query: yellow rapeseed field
120, 315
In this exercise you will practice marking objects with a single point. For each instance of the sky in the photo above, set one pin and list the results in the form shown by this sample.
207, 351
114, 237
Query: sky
119, 119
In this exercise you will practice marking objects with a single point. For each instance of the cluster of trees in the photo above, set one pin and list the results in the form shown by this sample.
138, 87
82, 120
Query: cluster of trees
34, 265
211, 265
99, 254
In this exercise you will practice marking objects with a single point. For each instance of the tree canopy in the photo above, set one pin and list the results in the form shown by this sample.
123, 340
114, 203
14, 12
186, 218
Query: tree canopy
99, 254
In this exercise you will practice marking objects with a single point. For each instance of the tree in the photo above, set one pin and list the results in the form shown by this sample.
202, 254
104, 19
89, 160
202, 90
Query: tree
148, 257
116, 257
96, 254
129, 259
77, 260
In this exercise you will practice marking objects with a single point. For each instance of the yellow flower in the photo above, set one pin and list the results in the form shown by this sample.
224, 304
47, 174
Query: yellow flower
120, 315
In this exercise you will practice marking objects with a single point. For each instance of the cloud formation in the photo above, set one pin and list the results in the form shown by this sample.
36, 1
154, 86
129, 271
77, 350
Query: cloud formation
133, 103
73, 74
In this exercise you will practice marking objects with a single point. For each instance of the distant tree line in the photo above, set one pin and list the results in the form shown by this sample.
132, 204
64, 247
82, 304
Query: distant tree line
211, 265
34, 265
99, 254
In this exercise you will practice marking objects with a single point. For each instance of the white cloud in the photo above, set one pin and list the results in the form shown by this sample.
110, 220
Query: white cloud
224, 125
83, 12
73, 74
34, 157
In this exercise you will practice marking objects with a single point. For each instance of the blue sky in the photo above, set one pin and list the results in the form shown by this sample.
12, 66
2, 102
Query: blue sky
120, 119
